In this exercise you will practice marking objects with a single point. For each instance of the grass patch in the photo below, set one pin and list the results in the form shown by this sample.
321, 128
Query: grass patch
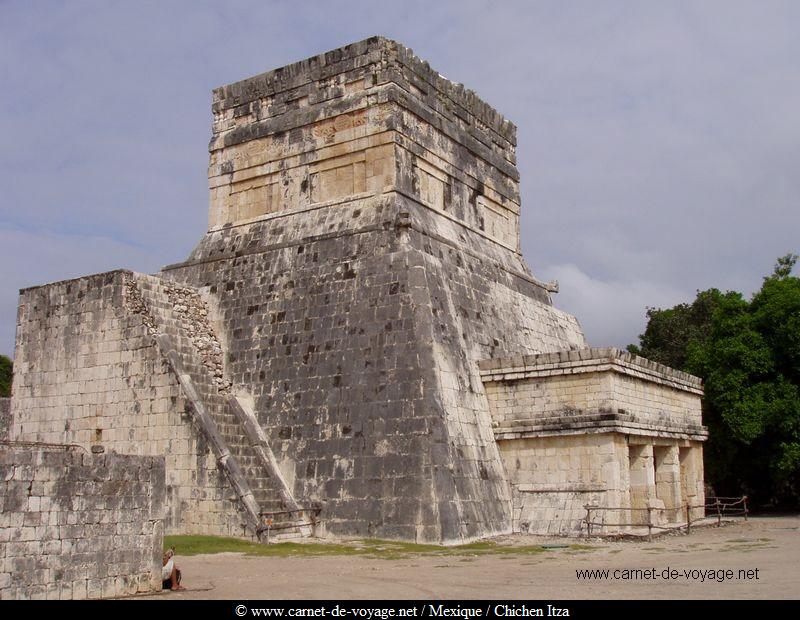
195, 545
382, 549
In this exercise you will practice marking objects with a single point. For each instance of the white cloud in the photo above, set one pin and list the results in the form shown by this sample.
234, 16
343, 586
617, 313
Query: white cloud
611, 312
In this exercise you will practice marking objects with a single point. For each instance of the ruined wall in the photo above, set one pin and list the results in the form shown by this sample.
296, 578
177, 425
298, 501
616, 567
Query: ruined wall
357, 334
88, 372
362, 257
363, 249
77, 526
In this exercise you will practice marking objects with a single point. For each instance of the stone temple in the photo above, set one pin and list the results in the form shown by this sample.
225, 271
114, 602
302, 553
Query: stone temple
356, 347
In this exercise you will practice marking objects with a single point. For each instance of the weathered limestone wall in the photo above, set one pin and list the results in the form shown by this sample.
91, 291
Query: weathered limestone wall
364, 119
553, 478
656, 403
592, 389
363, 249
87, 372
77, 526
596, 426
536, 398
5, 418
360, 347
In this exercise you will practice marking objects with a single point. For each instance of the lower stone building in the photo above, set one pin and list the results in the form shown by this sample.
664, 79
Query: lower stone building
357, 347
601, 428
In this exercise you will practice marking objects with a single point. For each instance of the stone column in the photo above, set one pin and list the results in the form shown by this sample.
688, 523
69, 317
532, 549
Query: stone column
642, 481
668, 480
615, 474
691, 476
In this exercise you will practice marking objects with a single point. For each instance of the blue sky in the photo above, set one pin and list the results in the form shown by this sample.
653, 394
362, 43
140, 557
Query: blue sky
658, 142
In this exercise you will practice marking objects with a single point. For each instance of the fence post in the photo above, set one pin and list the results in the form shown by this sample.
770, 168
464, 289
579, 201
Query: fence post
649, 523
719, 512
744, 498
588, 521
688, 519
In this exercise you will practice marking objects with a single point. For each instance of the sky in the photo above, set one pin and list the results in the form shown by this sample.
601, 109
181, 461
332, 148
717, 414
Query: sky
658, 142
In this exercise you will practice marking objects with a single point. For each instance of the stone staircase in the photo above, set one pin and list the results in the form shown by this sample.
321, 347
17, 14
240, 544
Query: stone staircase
179, 320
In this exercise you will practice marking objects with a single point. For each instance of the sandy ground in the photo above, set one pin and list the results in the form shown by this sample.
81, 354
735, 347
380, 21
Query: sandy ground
769, 544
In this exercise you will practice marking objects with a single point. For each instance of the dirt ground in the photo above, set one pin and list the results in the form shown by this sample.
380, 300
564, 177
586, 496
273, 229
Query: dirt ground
769, 544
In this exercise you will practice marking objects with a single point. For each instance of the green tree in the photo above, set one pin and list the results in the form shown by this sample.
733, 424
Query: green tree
748, 354
5, 376
669, 331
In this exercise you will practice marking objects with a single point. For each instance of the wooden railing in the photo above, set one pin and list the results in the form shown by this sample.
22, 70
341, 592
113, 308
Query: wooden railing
268, 519
716, 506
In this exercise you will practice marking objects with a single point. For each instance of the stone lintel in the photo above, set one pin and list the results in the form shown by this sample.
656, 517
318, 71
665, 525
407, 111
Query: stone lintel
596, 423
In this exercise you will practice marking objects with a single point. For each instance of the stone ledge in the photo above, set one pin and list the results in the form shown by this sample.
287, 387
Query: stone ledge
596, 423
564, 487
108, 277
585, 361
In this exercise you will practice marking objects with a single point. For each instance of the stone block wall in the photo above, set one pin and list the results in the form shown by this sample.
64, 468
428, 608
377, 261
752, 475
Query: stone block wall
359, 121
5, 418
553, 478
656, 403
592, 387
357, 332
88, 372
77, 526
532, 398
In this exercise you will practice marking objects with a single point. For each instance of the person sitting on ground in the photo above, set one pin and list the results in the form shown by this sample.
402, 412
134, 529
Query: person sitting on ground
170, 573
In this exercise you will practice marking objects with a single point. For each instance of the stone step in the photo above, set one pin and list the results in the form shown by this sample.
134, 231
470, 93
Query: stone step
182, 327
